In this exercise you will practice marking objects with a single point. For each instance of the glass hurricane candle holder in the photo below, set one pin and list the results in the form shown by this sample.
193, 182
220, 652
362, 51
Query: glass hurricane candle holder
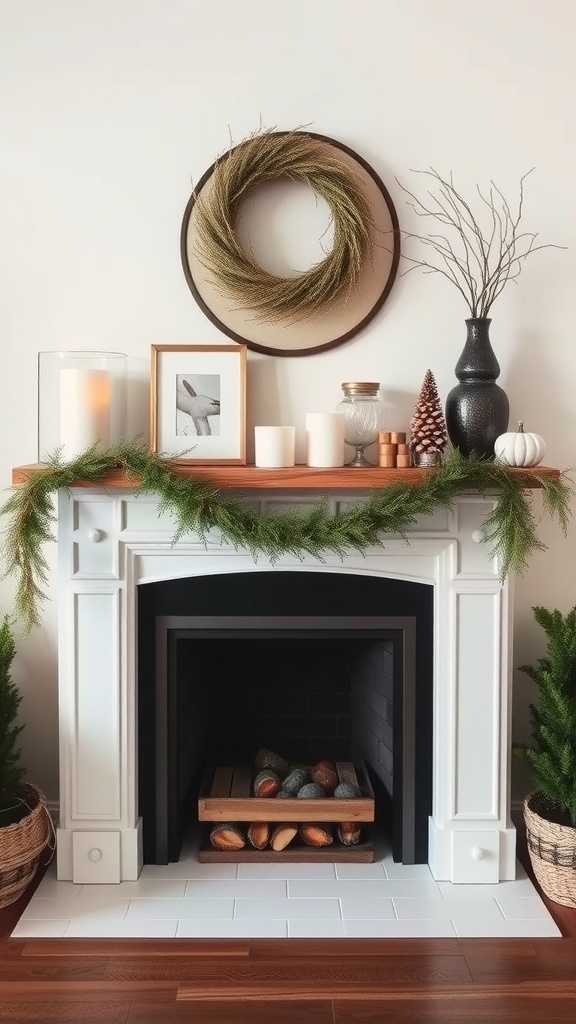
362, 412
81, 401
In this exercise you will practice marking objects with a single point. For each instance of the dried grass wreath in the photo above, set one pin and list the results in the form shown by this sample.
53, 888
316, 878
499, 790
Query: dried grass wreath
265, 157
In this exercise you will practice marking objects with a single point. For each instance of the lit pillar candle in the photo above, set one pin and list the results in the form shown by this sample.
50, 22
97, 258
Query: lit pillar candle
324, 439
274, 446
85, 397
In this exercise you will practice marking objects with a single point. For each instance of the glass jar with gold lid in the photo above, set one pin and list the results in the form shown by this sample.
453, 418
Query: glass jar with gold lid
362, 410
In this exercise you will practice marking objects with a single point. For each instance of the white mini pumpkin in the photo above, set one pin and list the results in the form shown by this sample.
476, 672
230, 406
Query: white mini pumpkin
519, 448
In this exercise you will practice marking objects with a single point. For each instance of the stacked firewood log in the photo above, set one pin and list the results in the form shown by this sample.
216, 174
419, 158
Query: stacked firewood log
274, 777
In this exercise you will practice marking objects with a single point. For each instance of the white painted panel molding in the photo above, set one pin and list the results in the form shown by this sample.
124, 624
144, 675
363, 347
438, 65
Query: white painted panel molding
95, 782
95, 538
476, 856
477, 691
96, 857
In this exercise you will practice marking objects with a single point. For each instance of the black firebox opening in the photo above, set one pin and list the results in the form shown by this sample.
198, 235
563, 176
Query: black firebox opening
313, 664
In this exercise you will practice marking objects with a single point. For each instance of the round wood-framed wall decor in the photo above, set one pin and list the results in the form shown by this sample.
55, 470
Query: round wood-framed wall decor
334, 322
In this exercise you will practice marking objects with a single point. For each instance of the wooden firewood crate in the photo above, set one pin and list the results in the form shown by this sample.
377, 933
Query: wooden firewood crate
227, 796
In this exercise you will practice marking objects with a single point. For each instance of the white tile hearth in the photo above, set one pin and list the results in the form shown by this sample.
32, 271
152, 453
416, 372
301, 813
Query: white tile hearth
192, 900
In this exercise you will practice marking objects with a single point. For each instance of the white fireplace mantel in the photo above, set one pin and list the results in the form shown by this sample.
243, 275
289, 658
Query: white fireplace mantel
111, 540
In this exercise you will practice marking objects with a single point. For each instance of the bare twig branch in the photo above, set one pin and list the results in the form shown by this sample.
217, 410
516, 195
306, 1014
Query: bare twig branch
479, 262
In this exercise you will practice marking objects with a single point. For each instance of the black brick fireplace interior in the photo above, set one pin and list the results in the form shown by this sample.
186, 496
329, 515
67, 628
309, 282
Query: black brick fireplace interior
312, 664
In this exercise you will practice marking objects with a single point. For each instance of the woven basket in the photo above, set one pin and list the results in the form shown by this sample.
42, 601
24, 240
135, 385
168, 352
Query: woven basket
552, 850
22, 844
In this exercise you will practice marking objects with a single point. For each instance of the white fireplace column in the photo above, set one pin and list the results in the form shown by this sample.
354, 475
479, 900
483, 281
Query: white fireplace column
110, 541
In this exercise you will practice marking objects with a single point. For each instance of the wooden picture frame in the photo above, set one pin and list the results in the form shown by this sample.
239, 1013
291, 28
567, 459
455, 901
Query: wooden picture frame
198, 403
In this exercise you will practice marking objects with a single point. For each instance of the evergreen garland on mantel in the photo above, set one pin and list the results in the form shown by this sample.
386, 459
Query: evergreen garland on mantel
199, 507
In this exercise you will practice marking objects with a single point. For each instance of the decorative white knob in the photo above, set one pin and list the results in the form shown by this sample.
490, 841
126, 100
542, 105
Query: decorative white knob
95, 854
477, 853
95, 535
478, 536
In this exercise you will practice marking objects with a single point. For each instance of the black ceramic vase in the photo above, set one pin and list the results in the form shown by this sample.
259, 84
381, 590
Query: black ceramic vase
477, 408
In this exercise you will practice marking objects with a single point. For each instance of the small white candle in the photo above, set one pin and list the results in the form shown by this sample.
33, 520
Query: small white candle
85, 397
274, 446
324, 439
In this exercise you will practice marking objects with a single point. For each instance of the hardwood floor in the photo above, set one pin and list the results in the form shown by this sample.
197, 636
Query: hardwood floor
292, 981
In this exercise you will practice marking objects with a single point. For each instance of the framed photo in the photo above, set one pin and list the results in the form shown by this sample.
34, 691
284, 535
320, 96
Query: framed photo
198, 403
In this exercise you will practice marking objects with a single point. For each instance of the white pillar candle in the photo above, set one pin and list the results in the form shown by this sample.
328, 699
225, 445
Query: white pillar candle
325, 439
274, 446
85, 397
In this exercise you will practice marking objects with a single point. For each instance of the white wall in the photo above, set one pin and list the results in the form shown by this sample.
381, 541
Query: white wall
110, 108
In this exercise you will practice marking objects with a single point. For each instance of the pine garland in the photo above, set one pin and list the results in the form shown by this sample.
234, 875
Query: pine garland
11, 769
198, 507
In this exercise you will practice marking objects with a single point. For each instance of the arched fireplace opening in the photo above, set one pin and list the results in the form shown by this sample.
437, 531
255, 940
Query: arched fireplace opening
316, 664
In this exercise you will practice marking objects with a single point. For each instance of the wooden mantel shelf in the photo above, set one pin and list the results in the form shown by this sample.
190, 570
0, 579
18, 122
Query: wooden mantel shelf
295, 478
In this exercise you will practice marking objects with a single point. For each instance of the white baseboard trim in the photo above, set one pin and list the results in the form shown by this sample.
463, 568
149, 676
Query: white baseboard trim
517, 811
53, 808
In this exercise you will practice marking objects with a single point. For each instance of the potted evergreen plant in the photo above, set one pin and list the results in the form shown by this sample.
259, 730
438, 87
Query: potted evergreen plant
25, 824
550, 810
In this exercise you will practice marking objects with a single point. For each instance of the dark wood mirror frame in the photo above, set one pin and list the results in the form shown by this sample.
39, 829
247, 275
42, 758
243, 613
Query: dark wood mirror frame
329, 327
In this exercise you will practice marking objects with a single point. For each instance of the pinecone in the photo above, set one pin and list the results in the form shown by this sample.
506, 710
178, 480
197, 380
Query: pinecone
428, 426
